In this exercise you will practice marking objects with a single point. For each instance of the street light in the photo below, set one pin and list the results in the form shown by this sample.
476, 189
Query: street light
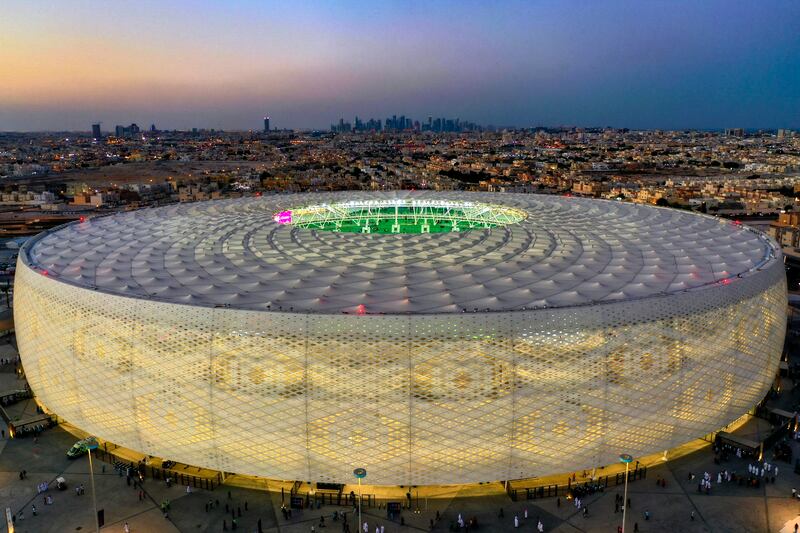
360, 474
625, 458
92, 445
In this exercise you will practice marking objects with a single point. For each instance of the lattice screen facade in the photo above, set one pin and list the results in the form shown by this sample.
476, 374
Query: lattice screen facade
415, 399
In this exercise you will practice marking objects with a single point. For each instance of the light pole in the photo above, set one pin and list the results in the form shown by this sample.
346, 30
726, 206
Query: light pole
92, 445
360, 474
625, 458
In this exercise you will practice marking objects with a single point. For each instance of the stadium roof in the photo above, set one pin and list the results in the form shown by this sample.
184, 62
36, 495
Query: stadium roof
239, 253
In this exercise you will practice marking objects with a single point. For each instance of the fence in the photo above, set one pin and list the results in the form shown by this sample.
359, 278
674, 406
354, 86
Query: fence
325, 496
554, 490
179, 478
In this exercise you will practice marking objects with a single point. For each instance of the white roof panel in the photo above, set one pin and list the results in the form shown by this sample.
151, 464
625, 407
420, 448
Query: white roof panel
567, 251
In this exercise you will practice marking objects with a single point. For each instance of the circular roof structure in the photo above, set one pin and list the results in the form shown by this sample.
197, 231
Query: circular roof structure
505, 336
345, 253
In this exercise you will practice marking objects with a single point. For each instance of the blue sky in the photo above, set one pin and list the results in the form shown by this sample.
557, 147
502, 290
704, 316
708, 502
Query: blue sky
181, 64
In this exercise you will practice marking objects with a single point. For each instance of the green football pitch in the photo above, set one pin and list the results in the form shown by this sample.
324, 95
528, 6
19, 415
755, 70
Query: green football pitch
401, 220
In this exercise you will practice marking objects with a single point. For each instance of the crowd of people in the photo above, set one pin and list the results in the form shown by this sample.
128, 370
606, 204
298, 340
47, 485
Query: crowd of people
757, 473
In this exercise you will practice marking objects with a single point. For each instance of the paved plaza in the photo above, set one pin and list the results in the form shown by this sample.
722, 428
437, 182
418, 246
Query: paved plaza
729, 507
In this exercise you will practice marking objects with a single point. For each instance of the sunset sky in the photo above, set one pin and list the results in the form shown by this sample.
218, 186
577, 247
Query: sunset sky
638, 64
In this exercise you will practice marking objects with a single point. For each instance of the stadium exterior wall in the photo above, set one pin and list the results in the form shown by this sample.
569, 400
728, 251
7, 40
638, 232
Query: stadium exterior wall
415, 399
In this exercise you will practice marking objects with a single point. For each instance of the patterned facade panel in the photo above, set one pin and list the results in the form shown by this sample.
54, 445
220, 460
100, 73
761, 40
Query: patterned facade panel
415, 399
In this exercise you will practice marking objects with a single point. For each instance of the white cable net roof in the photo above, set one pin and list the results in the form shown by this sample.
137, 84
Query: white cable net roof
568, 251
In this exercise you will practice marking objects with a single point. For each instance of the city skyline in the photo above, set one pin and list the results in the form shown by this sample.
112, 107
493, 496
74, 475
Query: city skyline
615, 63
432, 123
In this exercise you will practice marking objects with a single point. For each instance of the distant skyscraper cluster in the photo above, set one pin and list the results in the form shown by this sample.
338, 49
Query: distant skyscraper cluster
403, 123
734, 132
127, 131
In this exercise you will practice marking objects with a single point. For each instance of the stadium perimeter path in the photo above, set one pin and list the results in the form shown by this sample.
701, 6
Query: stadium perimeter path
729, 507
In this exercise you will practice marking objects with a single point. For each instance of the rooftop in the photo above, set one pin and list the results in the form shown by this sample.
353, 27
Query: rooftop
527, 251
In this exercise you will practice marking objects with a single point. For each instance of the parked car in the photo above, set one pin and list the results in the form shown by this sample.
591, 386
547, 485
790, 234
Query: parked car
80, 447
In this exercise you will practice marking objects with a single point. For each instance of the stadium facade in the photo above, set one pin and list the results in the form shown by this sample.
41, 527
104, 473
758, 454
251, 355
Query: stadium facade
430, 338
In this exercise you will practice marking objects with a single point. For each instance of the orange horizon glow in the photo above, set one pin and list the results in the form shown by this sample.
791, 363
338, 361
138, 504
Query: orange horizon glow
214, 64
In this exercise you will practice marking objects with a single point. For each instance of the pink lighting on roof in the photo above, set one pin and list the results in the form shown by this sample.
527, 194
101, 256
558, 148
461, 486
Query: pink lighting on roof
284, 217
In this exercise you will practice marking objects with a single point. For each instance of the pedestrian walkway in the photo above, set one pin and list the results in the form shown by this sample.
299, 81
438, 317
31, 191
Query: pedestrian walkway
729, 507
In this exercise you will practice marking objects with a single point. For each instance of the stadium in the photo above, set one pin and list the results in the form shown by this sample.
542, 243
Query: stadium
429, 337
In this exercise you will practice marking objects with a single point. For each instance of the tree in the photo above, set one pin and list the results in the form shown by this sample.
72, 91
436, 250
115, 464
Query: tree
662, 202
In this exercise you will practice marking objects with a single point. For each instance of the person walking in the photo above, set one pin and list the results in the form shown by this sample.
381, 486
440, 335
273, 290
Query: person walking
126, 528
